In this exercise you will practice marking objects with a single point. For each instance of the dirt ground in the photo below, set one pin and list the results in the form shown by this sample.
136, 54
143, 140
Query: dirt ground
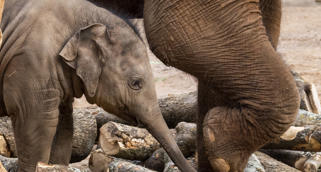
300, 46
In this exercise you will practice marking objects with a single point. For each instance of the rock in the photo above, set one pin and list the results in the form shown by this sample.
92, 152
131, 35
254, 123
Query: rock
272, 165
4, 150
10, 164
127, 142
254, 165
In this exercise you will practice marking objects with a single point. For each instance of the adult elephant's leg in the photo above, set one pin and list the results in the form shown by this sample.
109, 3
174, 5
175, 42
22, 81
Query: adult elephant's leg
34, 113
207, 99
271, 13
62, 144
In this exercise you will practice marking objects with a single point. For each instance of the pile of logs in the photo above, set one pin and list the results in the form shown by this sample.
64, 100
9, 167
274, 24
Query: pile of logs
106, 143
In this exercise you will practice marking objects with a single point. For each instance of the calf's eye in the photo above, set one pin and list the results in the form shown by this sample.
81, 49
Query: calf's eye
135, 83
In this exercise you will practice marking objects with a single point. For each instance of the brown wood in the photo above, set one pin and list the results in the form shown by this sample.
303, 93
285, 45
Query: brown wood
303, 139
272, 165
127, 142
313, 163
294, 159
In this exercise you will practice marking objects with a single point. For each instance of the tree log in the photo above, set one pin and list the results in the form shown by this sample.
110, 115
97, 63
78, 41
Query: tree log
85, 133
305, 118
179, 108
127, 142
99, 161
272, 165
313, 163
299, 138
2, 169
156, 161
294, 159
4, 150
254, 165
7, 131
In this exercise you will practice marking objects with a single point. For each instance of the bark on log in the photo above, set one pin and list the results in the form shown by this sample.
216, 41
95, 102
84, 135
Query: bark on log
305, 118
1, 12
99, 161
179, 108
156, 161
254, 165
42, 167
313, 163
4, 150
2, 169
302, 138
7, 131
127, 142
294, 159
85, 133
10, 164
272, 165
308, 94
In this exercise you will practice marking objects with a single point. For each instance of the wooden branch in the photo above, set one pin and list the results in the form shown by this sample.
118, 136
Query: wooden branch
1, 12
127, 142
156, 161
313, 163
7, 131
294, 159
312, 98
2, 169
179, 108
272, 165
4, 150
305, 118
299, 138
100, 161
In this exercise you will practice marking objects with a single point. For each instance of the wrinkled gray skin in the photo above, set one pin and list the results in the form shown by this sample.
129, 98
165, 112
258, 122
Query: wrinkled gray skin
54, 51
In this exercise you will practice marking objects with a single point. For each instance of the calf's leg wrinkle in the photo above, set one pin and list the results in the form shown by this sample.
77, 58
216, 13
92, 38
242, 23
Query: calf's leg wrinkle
62, 145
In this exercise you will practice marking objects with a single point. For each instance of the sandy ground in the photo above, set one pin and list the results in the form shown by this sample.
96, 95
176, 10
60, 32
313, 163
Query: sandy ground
300, 46
300, 43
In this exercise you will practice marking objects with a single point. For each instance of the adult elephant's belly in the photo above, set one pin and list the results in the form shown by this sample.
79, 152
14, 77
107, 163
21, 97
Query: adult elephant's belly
177, 40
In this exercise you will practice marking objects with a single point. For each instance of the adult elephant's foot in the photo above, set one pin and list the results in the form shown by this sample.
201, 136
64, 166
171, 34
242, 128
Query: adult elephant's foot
230, 137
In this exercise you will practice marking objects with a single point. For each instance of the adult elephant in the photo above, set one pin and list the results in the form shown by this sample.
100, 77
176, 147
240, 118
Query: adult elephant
244, 86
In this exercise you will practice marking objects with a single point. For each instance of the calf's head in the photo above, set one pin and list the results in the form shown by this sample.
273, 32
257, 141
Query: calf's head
116, 75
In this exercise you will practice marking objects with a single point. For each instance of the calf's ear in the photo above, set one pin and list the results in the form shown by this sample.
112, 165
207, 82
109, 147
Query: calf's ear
83, 53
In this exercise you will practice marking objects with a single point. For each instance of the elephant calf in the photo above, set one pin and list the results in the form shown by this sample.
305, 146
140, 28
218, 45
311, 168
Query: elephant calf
54, 51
